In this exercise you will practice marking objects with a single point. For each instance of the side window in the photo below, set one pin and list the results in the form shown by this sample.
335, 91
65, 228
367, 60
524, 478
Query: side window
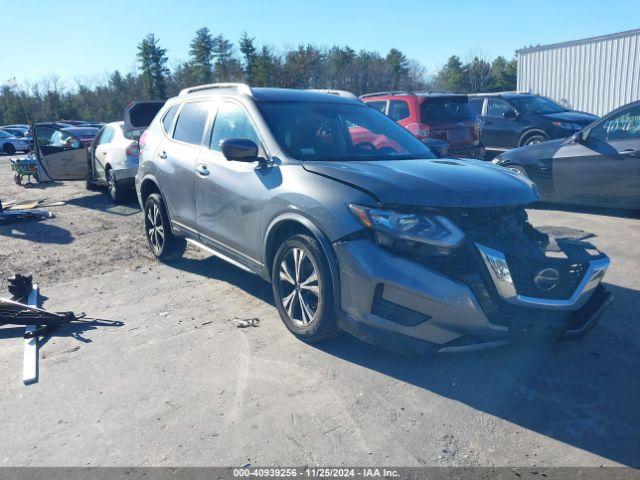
476, 104
624, 126
232, 122
53, 140
106, 136
379, 105
191, 123
398, 110
497, 107
167, 120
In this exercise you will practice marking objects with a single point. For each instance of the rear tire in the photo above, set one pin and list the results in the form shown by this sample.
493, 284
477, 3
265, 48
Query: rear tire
116, 192
162, 242
303, 290
9, 149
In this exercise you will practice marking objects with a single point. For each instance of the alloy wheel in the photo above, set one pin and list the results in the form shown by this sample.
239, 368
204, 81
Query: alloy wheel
299, 286
155, 228
111, 184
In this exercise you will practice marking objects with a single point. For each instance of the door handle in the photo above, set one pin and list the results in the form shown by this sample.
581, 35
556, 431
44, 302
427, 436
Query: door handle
162, 155
202, 170
486, 122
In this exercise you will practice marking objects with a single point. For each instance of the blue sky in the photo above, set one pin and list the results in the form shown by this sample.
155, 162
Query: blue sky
87, 39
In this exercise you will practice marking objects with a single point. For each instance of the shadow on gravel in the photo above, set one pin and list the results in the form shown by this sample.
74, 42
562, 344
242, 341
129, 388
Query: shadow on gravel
103, 203
583, 393
38, 232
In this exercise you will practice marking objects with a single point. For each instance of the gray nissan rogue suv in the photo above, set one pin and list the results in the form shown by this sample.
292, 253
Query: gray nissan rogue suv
378, 237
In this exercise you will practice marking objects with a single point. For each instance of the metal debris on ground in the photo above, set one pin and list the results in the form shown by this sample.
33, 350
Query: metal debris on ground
247, 322
38, 322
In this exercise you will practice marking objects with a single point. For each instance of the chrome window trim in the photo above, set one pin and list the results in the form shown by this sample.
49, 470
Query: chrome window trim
592, 278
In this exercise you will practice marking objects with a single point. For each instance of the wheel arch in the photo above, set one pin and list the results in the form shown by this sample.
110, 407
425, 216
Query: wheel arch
293, 222
530, 132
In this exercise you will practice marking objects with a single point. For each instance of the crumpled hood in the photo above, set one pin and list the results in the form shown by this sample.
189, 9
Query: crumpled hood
432, 182
572, 117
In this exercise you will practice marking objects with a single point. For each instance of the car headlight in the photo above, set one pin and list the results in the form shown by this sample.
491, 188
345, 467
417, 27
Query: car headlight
406, 229
567, 125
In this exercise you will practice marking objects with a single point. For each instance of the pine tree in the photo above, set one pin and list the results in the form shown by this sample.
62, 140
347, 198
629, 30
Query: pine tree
201, 53
248, 50
223, 53
153, 65
451, 76
398, 68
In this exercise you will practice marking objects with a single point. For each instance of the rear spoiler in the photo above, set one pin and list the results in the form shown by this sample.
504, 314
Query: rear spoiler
139, 115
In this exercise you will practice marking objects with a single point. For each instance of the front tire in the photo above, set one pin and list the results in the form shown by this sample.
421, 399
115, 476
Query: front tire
9, 149
303, 290
533, 139
162, 242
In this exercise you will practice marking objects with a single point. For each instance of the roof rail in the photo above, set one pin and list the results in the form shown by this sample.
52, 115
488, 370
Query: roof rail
388, 92
239, 87
331, 91
498, 93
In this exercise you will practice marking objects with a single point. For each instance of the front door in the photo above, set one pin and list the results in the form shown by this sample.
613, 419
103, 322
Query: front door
498, 131
606, 163
61, 155
230, 194
100, 150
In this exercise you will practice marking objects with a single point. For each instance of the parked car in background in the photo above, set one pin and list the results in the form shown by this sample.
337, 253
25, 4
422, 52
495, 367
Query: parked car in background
11, 144
85, 134
513, 119
599, 165
16, 131
113, 161
389, 243
443, 116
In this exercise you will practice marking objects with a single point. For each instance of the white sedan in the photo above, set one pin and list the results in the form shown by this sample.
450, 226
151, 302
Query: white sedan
10, 144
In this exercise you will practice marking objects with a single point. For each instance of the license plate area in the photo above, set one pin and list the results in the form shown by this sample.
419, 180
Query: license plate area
457, 135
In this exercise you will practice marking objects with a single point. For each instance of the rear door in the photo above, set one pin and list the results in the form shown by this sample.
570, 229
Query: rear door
60, 154
139, 115
606, 164
101, 149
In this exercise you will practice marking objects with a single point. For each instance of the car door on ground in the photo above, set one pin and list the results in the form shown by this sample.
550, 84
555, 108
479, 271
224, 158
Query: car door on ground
497, 130
176, 159
61, 155
230, 194
606, 164
101, 149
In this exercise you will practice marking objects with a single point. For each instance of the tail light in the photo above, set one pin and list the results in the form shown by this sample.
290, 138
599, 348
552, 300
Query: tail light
420, 130
142, 140
133, 150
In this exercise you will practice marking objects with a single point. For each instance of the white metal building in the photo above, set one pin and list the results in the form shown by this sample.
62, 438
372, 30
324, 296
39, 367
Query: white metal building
594, 75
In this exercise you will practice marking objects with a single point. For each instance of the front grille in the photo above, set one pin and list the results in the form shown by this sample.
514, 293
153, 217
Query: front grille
523, 273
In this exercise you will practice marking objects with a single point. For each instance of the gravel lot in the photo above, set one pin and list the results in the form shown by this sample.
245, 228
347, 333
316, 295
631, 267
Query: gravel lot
180, 385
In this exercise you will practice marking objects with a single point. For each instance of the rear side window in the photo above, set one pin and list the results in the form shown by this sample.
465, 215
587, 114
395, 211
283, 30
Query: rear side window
446, 111
398, 110
476, 105
168, 118
497, 107
379, 105
191, 123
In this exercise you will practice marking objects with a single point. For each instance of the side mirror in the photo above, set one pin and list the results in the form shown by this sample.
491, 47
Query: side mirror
577, 137
438, 147
510, 114
239, 149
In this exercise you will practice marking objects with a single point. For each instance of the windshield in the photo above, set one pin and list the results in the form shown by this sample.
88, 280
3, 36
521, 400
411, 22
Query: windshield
536, 105
339, 131
446, 111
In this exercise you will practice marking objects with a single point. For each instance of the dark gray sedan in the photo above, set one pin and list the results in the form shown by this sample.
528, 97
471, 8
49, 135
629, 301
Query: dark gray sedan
598, 166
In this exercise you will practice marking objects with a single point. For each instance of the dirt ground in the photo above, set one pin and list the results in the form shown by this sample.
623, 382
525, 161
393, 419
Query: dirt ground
179, 384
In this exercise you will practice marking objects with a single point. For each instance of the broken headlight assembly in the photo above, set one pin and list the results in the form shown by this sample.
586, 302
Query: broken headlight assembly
408, 231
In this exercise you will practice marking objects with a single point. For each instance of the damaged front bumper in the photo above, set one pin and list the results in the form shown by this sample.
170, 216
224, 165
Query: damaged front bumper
410, 306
